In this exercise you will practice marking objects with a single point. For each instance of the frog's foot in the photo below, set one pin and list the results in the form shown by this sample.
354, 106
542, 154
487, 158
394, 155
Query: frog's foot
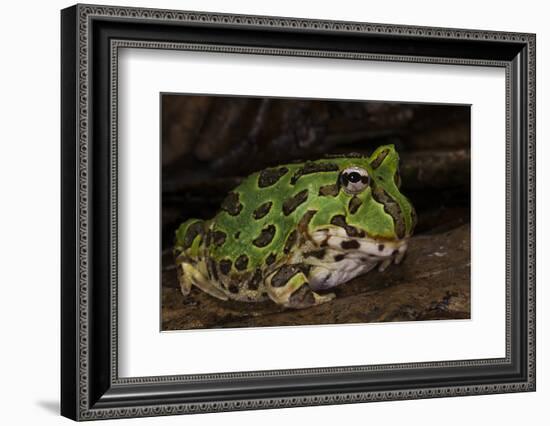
288, 286
190, 274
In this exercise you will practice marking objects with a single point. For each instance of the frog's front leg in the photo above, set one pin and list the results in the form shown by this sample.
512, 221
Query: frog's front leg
288, 286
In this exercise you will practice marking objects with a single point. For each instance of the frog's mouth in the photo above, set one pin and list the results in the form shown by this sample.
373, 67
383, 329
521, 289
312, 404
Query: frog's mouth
382, 251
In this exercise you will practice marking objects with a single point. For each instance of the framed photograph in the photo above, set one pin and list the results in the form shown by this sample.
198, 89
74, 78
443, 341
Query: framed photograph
263, 212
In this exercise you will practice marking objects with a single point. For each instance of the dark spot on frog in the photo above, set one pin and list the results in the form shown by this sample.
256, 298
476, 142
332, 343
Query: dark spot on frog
380, 247
193, 231
265, 237
284, 274
269, 177
346, 155
392, 208
318, 254
379, 159
242, 262
290, 241
237, 235
262, 210
329, 190
270, 260
292, 203
339, 257
350, 245
324, 243
225, 266
394, 253
231, 204
212, 269
304, 221
233, 288
302, 297
351, 231
305, 268
310, 168
254, 282
354, 204
218, 237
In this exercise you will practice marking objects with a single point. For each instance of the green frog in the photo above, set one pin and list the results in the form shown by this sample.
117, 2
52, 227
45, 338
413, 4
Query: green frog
290, 233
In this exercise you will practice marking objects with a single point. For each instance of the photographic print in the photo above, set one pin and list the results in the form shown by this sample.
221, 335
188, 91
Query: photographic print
288, 212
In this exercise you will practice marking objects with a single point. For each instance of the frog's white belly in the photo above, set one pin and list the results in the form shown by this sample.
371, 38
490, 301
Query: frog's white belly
333, 274
340, 265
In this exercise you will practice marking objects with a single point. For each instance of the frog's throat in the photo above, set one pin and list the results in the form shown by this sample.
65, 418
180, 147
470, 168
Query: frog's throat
345, 257
380, 249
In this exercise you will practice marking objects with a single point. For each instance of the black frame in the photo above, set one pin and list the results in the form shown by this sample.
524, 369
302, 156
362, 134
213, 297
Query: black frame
91, 388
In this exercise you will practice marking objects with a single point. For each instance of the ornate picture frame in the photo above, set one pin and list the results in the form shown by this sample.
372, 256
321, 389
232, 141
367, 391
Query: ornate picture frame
91, 38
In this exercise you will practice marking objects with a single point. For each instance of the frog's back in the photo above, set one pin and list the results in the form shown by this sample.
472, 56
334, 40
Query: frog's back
260, 216
292, 228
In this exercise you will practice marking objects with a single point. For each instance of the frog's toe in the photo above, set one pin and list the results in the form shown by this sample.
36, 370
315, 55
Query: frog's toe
304, 297
184, 279
323, 298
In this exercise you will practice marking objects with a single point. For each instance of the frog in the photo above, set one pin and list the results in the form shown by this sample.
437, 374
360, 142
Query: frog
292, 232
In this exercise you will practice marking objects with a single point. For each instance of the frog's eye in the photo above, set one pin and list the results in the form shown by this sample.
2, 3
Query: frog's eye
354, 180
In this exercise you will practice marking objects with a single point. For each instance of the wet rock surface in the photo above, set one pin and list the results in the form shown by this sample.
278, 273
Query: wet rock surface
432, 283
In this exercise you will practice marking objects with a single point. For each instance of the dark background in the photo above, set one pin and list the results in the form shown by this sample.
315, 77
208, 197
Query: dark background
209, 143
